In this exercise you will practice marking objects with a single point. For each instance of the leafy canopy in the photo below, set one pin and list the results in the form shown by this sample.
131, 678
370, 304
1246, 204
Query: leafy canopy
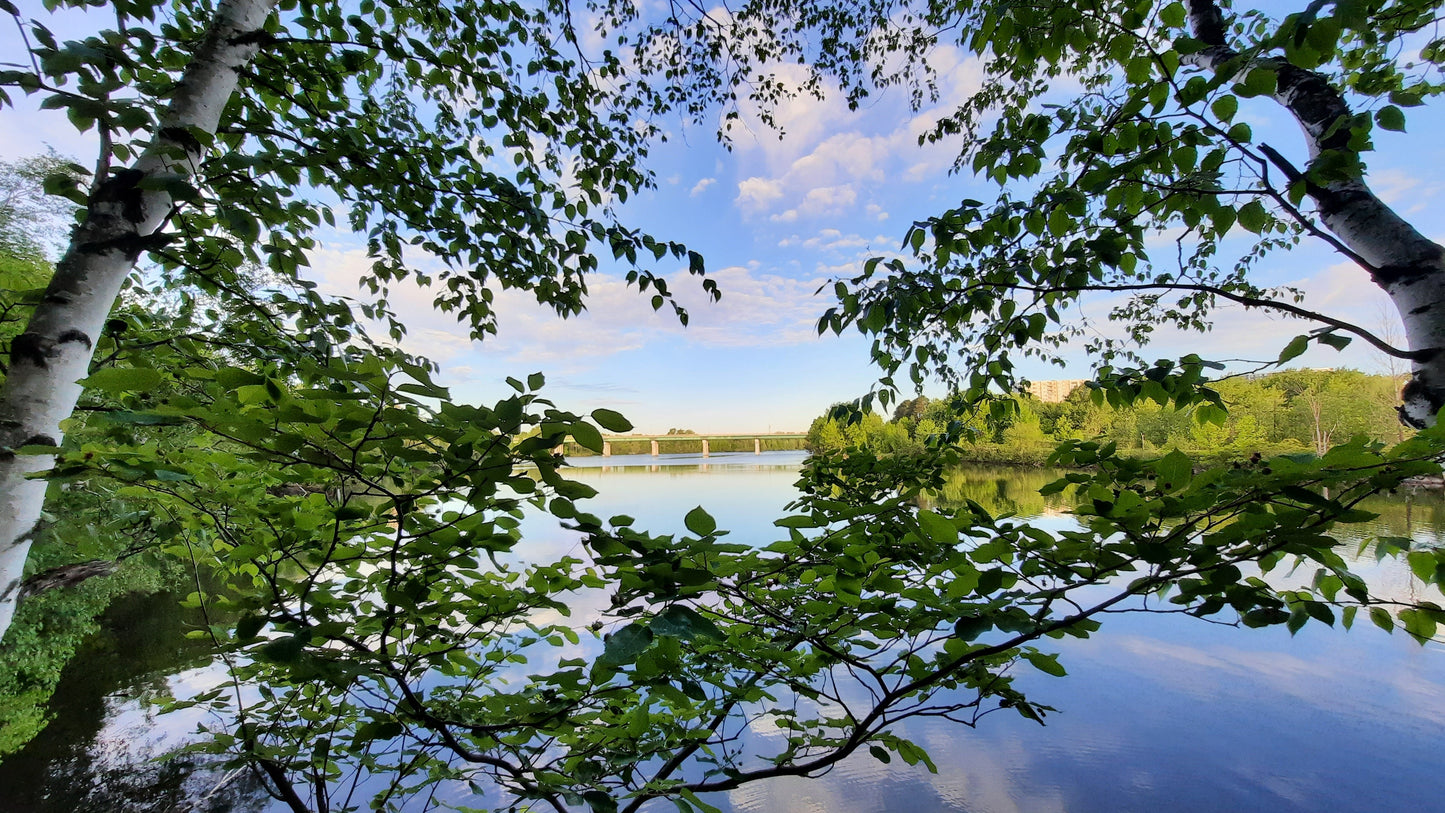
383, 629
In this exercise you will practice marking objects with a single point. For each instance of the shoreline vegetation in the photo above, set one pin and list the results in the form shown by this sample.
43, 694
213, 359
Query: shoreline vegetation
1287, 412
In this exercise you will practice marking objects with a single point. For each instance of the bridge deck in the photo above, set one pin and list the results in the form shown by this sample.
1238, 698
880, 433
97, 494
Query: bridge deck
758, 436
655, 441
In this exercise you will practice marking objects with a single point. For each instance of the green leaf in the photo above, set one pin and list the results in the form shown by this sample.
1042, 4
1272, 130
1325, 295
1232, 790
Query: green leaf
1172, 15
123, 379
562, 508
1390, 117
285, 650
249, 626
586, 435
1422, 564
623, 647
1382, 619
1419, 623
1225, 107
1048, 664
938, 528
1260, 82
126, 417
700, 522
1173, 471
600, 802
970, 627
611, 421
233, 377
686, 623
880, 753
1253, 216
1059, 222
1296, 347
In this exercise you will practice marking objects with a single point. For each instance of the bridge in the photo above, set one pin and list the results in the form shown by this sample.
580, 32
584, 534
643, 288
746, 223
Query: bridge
706, 441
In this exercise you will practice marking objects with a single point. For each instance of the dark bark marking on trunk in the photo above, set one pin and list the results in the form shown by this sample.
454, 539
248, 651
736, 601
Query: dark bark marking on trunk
1418, 389
32, 348
1388, 275
74, 335
253, 37
1334, 201
103, 231
130, 245
67, 283
181, 137
1317, 103
40, 440
39, 350
123, 187
1208, 22
9, 590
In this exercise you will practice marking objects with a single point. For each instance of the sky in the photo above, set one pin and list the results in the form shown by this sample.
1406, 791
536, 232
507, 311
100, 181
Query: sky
778, 219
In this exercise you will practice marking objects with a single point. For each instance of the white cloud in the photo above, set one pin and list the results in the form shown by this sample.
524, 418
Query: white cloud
801, 122
757, 309
1342, 291
830, 153
830, 240
756, 194
338, 270
825, 200
829, 198
1403, 190
701, 186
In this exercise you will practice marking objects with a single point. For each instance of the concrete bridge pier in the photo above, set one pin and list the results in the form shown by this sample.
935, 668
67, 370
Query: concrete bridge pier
704, 447
757, 445
654, 447
606, 448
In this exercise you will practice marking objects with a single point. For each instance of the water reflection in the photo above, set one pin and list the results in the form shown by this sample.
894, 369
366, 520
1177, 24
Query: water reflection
1172, 713
96, 756
1001, 491
1158, 712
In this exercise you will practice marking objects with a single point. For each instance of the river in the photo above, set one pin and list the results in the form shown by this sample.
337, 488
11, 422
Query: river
1157, 712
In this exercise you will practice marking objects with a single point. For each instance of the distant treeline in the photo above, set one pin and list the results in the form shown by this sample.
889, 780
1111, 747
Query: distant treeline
1279, 413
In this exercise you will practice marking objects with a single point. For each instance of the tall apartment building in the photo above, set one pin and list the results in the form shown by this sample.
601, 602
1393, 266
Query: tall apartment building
1052, 392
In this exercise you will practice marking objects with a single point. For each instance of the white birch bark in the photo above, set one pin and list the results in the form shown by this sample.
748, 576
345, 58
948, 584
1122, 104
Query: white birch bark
54, 353
1409, 267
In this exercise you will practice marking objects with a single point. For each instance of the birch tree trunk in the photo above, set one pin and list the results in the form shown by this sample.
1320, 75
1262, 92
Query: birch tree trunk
123, 218
1409, 267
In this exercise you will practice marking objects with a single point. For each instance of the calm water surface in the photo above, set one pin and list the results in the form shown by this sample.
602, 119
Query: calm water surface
1157, 713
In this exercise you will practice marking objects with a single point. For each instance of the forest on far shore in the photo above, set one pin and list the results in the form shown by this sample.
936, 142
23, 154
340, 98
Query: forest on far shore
1285, 412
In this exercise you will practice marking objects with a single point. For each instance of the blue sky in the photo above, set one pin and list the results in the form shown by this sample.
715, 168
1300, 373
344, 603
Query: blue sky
776, 219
